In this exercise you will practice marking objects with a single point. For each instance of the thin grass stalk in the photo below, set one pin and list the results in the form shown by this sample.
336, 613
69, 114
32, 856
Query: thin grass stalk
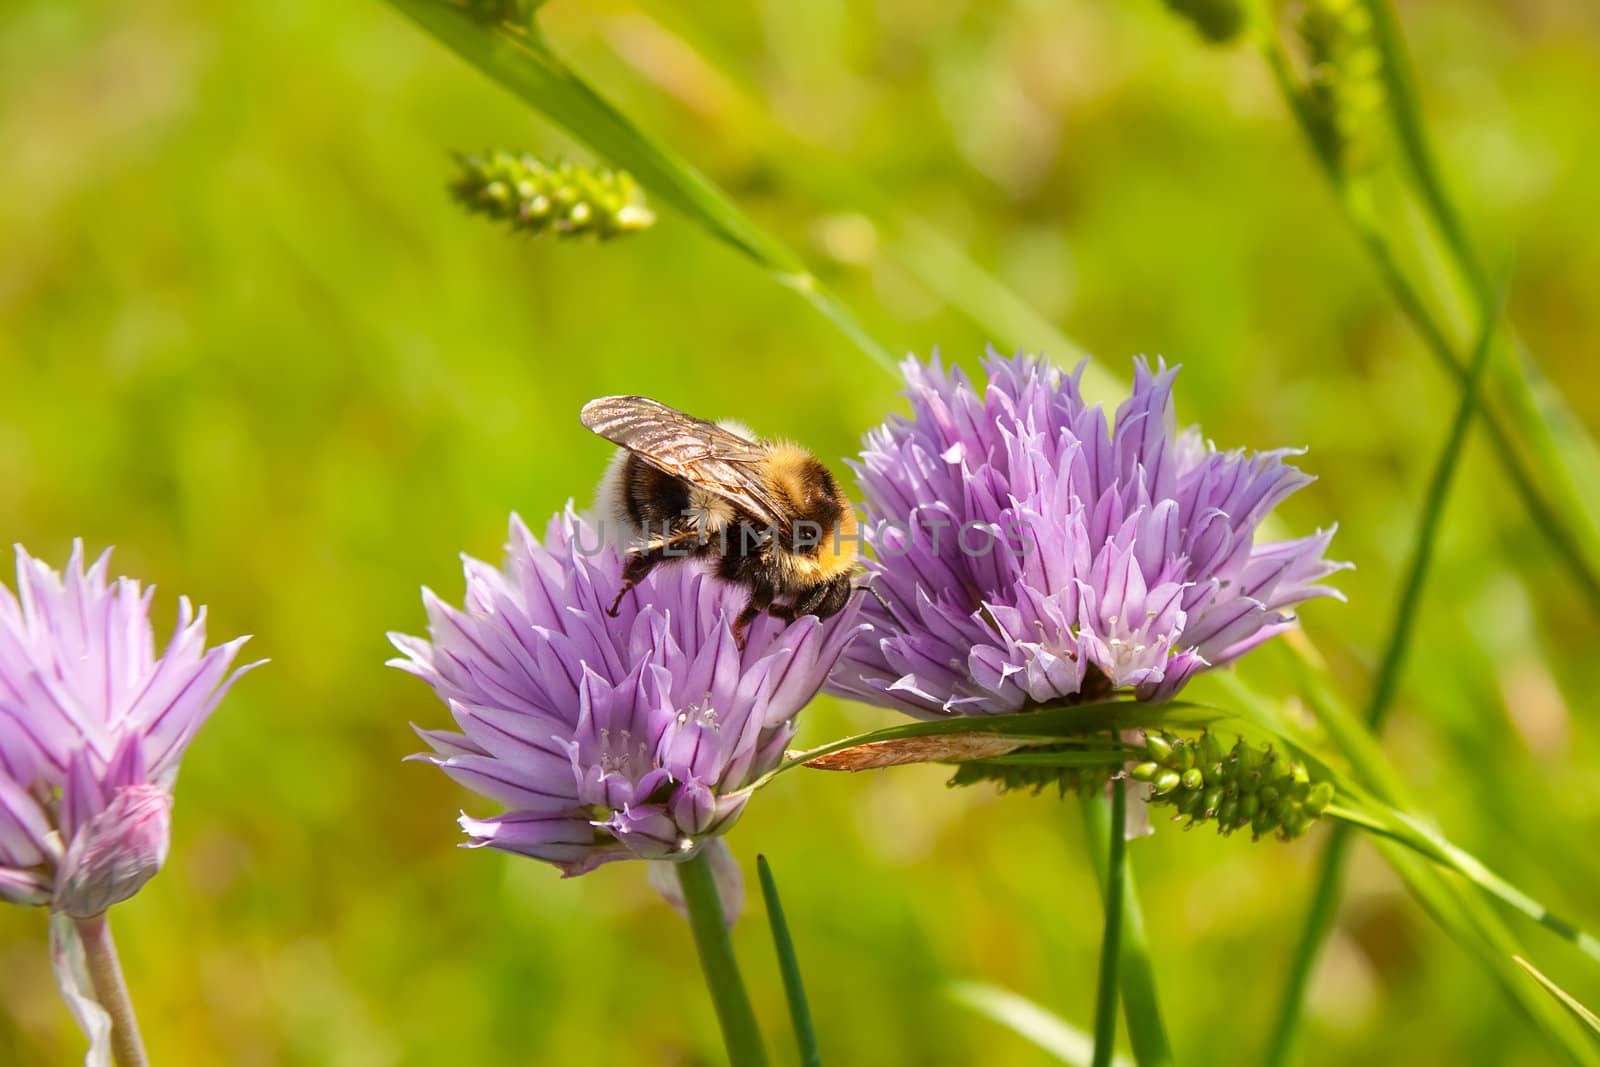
1546, 516
1573, 461
1460, 905
1324, 906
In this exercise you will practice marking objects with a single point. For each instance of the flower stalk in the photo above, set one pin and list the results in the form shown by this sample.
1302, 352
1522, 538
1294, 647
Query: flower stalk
1105, 1012
111, 990
740, 1034
1141, 1008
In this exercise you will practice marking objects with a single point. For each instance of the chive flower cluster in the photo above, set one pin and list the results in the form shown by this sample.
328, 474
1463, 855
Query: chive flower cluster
566, 199
94, 721
1241, 787
93, 724
610, 738
1033, 552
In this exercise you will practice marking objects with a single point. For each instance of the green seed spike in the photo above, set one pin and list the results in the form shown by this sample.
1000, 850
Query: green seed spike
1344, 85
1244, 787
566, 199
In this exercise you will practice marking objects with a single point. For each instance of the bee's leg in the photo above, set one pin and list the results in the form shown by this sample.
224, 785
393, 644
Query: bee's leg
832, 597
810, 601
633, 572
882, 602
761, 595
640, 562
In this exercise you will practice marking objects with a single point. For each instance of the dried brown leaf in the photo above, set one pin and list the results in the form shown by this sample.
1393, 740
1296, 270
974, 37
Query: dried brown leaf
946, 748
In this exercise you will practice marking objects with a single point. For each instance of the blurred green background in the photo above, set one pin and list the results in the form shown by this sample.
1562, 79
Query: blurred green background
245, 338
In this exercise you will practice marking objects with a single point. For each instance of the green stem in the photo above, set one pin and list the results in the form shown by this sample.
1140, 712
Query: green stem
805, 1035
1141, 1009
1405, 112
740, 1033
111, 990
1105, 1011
1330, 875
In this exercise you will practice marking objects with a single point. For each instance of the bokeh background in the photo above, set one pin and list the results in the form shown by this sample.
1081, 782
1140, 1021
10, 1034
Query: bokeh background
245, 338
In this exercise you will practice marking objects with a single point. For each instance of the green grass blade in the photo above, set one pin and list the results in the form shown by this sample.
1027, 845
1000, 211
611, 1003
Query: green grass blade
799, 1012
1478, 930
1141, 1010
1553, 432
518, 57
1026, 1019
1408, 831
1567, 1000
1461, 909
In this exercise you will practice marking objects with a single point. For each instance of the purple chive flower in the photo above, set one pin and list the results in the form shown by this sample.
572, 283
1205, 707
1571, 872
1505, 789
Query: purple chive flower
1036, 555
609, 738
93, 724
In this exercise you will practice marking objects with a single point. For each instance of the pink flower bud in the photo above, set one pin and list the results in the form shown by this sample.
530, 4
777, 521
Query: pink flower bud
116, 852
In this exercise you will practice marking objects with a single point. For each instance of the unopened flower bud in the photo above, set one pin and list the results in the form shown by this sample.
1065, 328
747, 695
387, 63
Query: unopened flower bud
116, 852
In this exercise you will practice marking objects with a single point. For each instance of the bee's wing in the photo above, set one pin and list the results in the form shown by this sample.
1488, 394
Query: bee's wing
699, 452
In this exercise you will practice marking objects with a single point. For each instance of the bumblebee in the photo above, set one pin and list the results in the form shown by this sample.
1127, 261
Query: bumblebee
769, 516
